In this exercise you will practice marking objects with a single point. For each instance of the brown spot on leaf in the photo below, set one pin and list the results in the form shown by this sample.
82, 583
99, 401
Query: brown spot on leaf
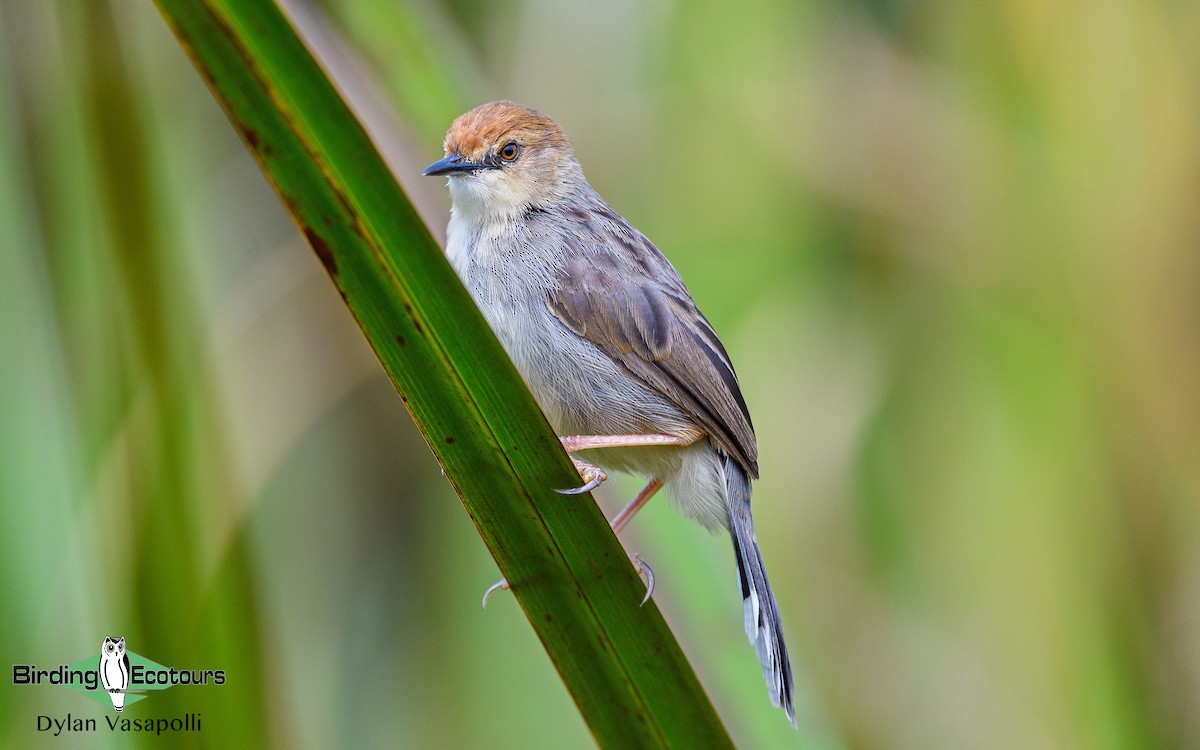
416, 323
449, 440
322, 249
346, 205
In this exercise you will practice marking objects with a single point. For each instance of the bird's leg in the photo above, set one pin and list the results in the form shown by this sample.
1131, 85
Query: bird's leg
640, 499
619, 522
592, 475
575, 443
625, 516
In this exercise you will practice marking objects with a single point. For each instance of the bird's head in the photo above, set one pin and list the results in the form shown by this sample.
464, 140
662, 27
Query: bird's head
503, 159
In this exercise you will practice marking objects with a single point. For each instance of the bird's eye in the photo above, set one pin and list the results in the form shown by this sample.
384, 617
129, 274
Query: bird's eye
509, 151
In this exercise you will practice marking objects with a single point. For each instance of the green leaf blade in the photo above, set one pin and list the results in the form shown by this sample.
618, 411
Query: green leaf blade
619, 661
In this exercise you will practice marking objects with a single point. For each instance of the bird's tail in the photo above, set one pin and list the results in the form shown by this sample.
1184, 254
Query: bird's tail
762, 615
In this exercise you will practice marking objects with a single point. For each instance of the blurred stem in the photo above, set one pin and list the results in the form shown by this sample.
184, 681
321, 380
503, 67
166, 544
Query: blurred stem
174, 431
621, 664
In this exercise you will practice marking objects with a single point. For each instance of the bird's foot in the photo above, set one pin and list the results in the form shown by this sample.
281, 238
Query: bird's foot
501, 584
592, 477
638, 564
644, 571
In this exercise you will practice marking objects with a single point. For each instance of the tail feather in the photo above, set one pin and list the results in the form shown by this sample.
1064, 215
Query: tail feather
761, 613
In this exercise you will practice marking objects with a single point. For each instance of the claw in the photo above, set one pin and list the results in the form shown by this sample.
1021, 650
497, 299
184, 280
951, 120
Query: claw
643, 569
592, 476
639, 564
592, 484
501, 584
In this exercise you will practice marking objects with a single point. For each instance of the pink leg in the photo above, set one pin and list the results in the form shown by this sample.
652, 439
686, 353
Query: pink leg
625, 516
593, 475
574, 443
619, 521
643, 497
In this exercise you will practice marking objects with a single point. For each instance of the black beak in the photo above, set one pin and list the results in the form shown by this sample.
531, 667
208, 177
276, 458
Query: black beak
452, 164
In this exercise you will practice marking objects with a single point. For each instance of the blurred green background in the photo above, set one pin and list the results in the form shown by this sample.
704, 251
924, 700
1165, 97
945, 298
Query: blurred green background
952, 248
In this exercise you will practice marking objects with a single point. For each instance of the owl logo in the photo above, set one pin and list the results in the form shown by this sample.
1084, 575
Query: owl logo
114, 670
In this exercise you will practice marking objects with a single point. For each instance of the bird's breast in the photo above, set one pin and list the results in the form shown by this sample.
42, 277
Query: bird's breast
509, 270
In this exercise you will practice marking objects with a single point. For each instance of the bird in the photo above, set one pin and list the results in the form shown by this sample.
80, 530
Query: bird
609, 340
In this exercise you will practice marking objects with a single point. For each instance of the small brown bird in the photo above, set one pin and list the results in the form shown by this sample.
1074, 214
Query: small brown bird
608, 338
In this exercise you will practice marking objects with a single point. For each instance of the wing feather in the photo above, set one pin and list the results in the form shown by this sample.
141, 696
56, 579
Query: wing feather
634, 307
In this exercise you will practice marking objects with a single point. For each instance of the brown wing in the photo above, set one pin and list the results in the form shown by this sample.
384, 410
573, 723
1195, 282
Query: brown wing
652, 327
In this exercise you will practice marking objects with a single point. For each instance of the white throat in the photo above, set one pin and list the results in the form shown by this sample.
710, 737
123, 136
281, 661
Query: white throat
486, 197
